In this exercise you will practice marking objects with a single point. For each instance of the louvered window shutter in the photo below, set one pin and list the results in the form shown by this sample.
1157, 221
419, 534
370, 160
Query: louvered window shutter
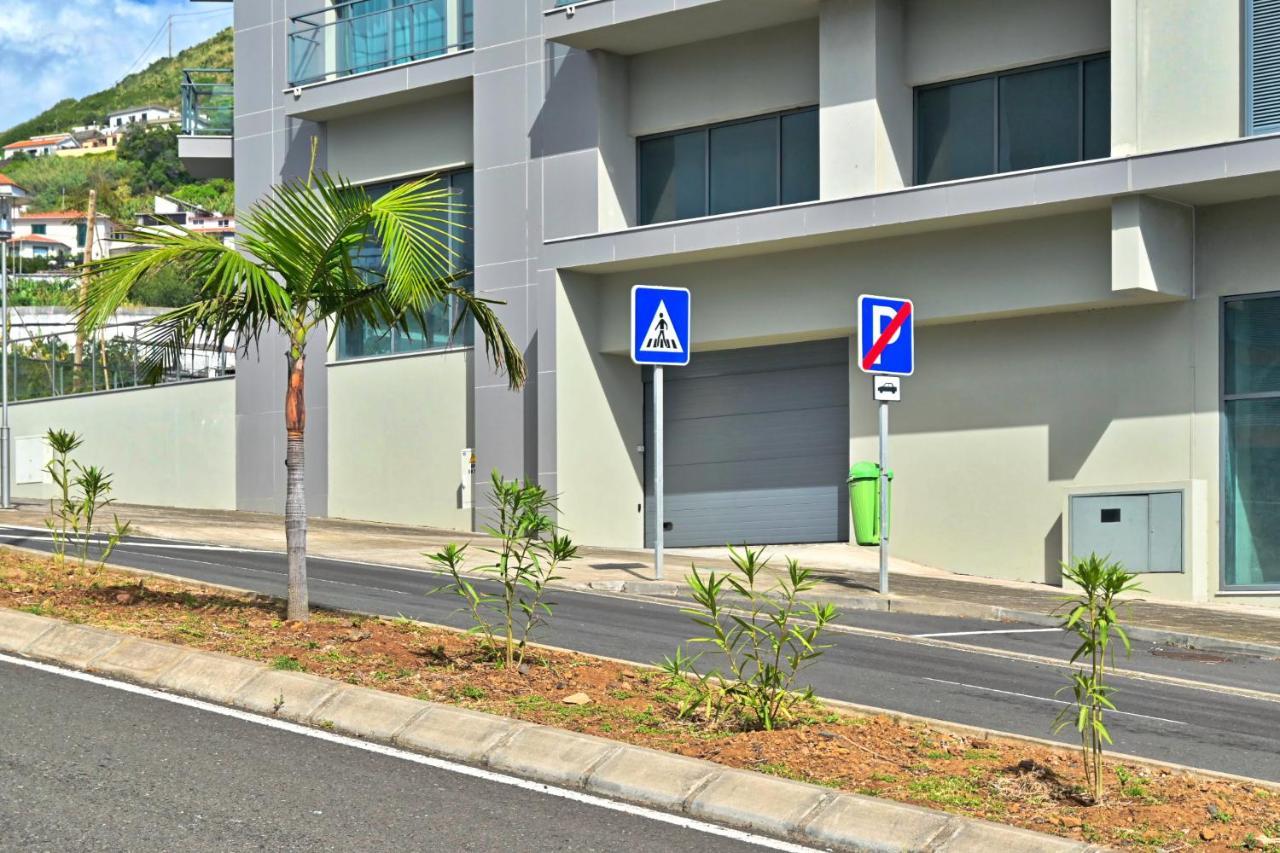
1262, 66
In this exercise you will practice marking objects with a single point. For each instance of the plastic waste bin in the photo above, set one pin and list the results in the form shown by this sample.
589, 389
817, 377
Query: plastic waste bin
864, 501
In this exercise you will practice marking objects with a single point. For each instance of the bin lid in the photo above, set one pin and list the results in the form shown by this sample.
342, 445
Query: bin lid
864, 471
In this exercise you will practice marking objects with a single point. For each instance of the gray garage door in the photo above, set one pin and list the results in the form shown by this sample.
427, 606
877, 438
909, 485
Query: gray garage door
756, 446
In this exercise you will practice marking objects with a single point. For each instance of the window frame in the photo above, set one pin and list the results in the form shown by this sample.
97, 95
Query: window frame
446, 173
995, 76
1223, 441
705, 130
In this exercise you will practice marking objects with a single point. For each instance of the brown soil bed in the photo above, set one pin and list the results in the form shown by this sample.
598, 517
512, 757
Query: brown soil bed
1009, 781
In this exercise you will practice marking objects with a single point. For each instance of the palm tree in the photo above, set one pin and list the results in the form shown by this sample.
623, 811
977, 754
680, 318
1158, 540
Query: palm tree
295, 270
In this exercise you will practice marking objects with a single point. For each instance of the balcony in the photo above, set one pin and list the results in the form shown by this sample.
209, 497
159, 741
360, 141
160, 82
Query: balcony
360, 36
632, 26
208, 107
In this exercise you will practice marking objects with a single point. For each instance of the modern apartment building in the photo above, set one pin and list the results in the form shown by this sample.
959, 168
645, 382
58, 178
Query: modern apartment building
1079, 195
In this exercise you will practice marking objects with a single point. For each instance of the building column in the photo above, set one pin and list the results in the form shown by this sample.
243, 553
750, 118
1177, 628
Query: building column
865, 105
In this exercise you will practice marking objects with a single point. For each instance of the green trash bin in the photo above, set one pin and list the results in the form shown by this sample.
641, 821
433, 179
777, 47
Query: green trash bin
864, 501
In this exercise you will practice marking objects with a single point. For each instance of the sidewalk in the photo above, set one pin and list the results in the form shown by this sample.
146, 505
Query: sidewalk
849, 573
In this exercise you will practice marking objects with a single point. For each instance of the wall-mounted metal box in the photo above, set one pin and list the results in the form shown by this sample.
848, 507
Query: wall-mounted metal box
1143, 531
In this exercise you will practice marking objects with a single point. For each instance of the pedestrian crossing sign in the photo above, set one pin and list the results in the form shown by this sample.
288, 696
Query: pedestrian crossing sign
660, 325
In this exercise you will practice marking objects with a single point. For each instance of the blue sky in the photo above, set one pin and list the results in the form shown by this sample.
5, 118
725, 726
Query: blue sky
55, 49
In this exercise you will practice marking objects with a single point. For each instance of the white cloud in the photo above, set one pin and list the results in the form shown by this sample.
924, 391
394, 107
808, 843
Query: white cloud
55, 49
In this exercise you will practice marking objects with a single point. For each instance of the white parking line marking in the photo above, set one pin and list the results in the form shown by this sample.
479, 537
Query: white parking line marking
982, 633
437, 763
1043, 699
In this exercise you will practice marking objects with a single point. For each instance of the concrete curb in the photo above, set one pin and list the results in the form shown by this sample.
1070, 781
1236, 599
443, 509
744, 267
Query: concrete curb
738, 798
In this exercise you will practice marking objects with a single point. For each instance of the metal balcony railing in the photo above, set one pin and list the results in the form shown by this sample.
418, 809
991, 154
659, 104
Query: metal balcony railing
208, 102
355, 36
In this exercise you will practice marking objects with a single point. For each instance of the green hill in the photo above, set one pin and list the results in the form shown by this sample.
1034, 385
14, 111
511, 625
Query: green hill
156, 84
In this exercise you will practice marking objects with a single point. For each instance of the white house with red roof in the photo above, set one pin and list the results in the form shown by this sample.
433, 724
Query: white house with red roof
41, 146
62, 232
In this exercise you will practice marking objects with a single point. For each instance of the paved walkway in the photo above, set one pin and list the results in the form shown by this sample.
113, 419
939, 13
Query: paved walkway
849, 573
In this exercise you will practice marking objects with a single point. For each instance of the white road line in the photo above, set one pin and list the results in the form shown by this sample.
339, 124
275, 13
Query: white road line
437, 763
177, 546
982, 633
1043, 699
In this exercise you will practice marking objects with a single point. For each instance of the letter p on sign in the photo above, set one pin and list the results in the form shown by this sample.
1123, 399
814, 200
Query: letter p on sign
886, 335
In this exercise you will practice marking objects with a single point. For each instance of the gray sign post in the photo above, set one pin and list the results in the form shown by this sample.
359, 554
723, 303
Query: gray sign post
660, 318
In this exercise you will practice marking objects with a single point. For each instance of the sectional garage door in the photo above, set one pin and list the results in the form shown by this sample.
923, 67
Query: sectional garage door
756, 446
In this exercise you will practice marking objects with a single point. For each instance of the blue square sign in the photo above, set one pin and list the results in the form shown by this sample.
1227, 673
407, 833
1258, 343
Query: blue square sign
886, 336
660, 325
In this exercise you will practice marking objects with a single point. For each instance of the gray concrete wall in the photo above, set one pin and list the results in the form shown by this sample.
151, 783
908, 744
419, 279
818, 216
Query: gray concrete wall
172, 445
396, 429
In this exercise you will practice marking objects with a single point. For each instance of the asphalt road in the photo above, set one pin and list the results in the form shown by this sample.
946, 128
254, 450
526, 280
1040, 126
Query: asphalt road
88, 767
988, 677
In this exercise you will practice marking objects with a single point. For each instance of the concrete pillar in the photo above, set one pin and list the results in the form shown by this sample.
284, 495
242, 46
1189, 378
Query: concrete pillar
1152, 247
865, 105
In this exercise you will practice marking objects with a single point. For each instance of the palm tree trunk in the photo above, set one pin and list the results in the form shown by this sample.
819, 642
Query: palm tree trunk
295, 501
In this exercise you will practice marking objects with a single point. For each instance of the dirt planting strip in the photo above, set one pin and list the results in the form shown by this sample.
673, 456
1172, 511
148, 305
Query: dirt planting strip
434, 690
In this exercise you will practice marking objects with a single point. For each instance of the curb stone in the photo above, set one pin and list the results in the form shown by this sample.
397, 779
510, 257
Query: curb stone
674, 783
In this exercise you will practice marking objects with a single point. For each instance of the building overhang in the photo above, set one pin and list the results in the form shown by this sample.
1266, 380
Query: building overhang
1212, 174
206, 157
639, 26
384, 88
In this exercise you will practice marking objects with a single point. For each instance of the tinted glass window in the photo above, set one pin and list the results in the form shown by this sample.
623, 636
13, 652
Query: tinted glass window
1097, 108
800, 157
364, 340
1019, 119
1039, 118
955, 128
1252, 346
673, 177
744, 165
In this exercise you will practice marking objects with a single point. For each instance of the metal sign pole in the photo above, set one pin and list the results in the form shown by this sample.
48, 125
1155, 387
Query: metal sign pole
658, 462
884, 498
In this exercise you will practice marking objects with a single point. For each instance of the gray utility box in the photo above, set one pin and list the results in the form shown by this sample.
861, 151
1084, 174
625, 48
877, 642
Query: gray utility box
1141, 531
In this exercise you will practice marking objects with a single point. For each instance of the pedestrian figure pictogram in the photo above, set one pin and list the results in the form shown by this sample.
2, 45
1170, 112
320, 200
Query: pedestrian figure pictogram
661, 337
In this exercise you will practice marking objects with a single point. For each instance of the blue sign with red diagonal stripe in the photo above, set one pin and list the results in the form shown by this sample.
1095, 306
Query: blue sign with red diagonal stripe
886, 336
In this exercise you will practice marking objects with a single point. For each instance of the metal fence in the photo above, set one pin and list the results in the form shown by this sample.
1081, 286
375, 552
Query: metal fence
44, 366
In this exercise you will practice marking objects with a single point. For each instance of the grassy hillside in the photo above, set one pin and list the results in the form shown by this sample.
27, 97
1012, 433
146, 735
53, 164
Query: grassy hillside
156, 84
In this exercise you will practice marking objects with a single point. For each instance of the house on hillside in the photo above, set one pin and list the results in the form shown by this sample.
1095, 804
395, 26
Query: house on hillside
168, 211
41, 146
33, 246
90, 140
150, 115
67, 228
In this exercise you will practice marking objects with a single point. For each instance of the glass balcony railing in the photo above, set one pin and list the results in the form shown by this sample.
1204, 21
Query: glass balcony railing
208, 101
355, 36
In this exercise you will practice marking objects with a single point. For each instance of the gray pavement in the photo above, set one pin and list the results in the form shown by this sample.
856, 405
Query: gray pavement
88, 767
1196, 720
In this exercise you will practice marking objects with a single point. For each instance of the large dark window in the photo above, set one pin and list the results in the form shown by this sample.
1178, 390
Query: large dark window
1017, 119
1251, 442
722, 168
362, 340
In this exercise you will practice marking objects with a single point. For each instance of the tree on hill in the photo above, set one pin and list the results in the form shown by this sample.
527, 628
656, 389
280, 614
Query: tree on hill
155, 150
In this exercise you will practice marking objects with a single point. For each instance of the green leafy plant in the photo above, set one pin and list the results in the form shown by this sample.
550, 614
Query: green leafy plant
83, 492
529, 552
62, 443
1092, 616
765, 640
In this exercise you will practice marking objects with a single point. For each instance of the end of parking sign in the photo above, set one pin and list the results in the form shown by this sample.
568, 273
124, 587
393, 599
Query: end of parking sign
886, 335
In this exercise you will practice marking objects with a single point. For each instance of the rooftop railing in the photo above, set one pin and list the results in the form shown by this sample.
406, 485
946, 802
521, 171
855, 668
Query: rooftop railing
208, 102
356, 36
